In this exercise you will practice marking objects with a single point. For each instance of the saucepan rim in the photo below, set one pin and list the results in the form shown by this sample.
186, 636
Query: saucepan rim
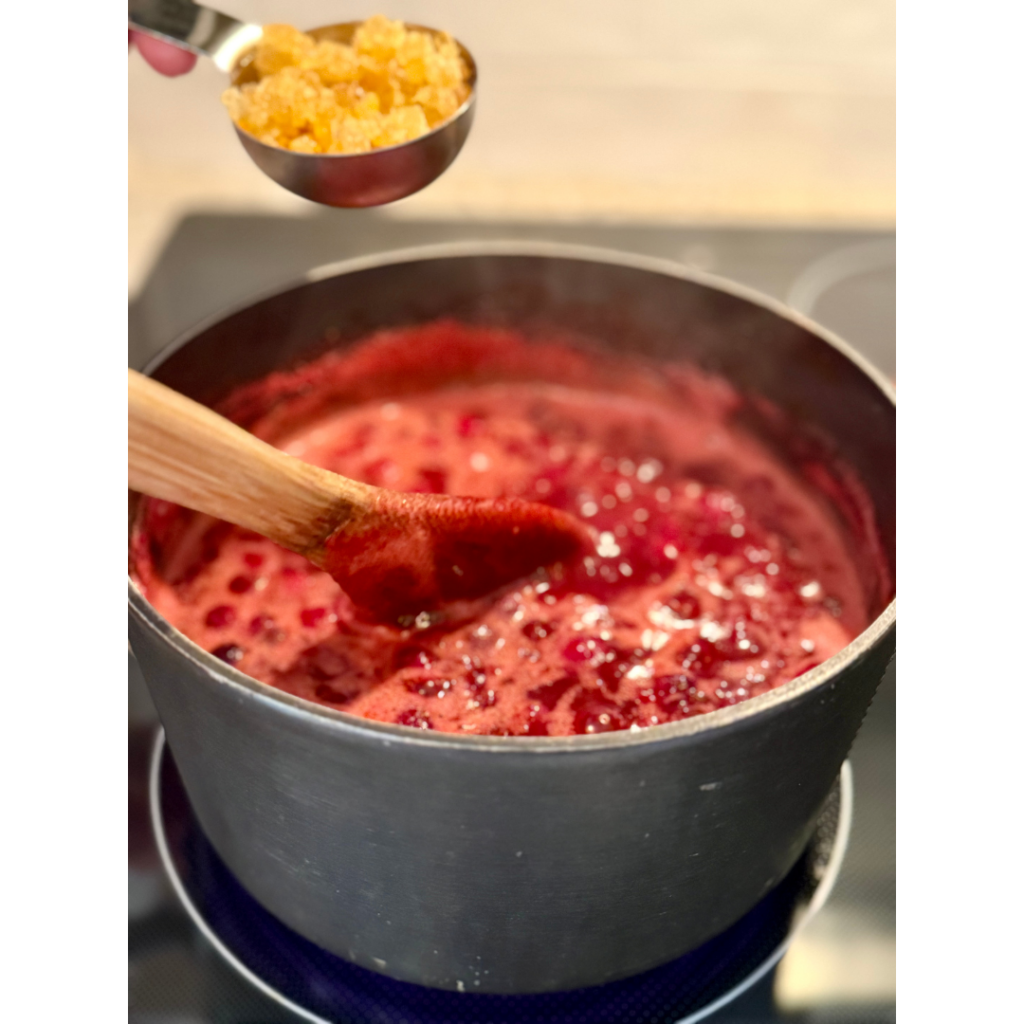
345, 723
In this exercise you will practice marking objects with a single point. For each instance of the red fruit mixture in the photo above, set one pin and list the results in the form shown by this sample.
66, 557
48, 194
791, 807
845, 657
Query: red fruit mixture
717, 573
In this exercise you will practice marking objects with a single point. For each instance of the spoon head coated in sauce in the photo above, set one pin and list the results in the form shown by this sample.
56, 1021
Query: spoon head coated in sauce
425, 557
397, 555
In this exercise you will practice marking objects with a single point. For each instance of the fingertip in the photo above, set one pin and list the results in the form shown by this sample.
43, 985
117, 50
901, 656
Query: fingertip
164, 57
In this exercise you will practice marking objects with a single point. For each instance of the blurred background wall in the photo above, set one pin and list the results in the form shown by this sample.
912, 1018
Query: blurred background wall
692, 111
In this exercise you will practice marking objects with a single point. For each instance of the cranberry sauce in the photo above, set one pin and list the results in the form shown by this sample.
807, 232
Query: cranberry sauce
715, 573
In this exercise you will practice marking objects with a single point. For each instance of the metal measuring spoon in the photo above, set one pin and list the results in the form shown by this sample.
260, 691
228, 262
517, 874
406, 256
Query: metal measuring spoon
334, 179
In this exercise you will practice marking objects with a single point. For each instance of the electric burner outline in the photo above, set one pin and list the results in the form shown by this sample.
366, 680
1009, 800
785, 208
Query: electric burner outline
321, 988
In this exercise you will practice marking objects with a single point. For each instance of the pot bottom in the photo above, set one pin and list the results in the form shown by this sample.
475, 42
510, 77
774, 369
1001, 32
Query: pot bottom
325, 989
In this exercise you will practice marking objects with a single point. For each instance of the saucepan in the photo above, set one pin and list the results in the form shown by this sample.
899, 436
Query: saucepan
507, 864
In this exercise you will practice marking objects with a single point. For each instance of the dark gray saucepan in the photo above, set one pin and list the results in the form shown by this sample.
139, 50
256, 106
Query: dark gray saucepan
496, 864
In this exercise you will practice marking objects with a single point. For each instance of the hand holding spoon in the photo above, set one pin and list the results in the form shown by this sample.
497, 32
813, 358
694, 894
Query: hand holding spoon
395, 555
334, 179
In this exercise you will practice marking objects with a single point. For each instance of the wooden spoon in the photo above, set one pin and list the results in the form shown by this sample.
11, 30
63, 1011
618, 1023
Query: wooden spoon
395, 555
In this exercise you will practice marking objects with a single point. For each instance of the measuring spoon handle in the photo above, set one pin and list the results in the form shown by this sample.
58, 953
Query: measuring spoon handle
194, 27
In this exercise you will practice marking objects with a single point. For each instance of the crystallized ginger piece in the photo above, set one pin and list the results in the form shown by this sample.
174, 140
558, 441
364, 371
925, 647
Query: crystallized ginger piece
333, 62
294, 98
402, 124
367, 106
237, 103
355, 134
274, 137
281, 46
447, 67
413, 58
354, 102
379, 37
380, 79
304, 144
440, 102
290, 102
238, 100
348, 94
359, 127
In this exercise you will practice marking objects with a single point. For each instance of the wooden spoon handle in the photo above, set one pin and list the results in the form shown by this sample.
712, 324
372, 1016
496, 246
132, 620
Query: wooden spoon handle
183, 452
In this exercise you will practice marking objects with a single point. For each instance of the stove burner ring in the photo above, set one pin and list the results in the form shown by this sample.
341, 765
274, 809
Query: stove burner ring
820, 867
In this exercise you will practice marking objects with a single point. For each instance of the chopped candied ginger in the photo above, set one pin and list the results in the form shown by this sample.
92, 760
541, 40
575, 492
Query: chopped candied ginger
402, 124
391, 85
439, 102
354, 135
281, 46
304, 144
379, 37
290, 103
335, 63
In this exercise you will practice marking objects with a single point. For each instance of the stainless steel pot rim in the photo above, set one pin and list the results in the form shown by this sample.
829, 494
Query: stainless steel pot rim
250, 688
544, 249
826, 883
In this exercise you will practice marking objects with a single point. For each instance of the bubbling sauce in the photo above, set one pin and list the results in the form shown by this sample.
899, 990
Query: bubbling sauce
717, 573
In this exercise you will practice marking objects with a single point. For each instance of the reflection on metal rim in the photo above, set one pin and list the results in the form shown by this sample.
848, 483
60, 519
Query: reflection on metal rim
827, 272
